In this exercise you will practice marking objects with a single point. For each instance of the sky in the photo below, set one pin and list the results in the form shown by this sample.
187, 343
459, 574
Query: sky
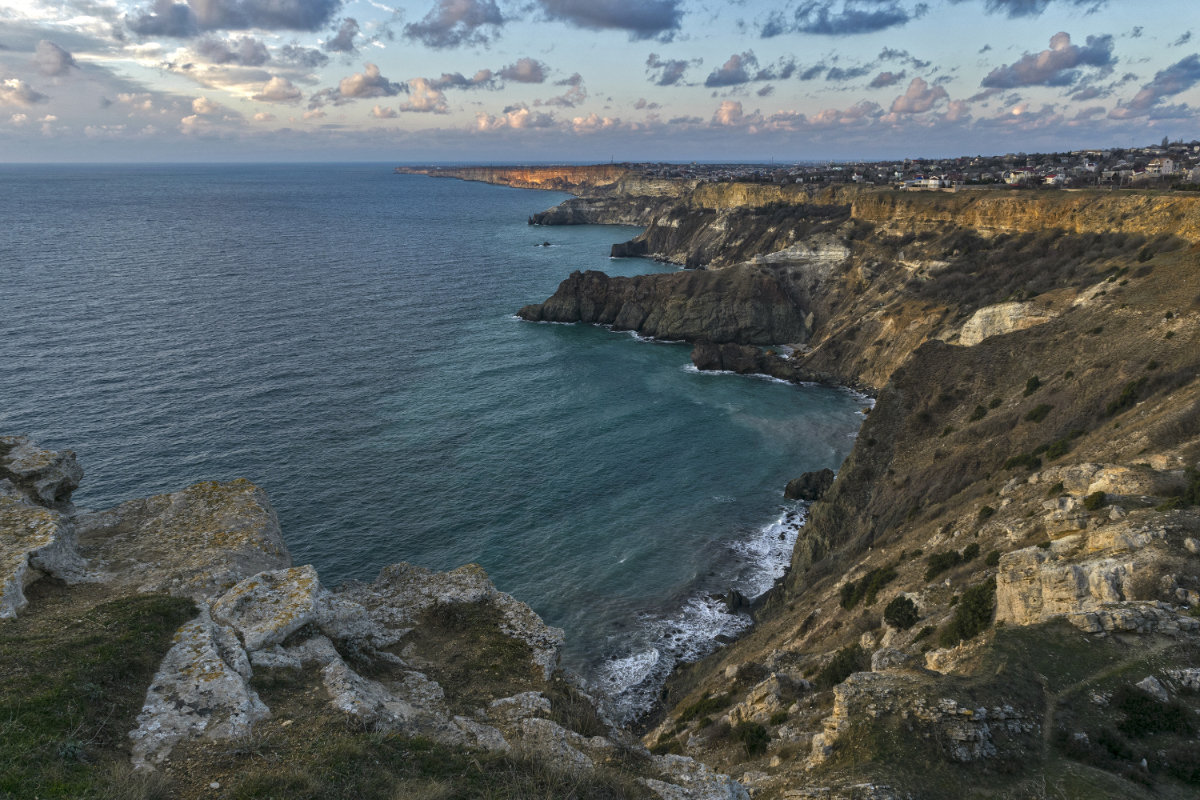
528, 81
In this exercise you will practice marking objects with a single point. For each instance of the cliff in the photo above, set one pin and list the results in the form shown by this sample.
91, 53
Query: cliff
999, 591
169, 647
573, 179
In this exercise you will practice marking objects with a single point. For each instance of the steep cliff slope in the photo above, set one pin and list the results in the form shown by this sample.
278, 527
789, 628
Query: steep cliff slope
998, 594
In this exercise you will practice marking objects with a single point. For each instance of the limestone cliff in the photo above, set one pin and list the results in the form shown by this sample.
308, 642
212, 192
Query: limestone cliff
1004, 577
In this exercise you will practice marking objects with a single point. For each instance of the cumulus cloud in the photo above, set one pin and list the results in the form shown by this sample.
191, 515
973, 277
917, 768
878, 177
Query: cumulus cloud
168, 18
1179, 77
303, 57
668, 72
379, 112
839, 17
16, 92
593, 122
368, 83
885, 79
264, 116
424, 98
518, 117
524, 70
456, 80
204, 106
51, 60
644, 104
1057, 66
730, 114
279, 90
453, 23
343, 40
642, 19
918, 98
734, 71
245, 51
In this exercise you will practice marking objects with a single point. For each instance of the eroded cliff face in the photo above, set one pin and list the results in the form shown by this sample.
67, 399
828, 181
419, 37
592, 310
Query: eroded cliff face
573, 179
1022, 499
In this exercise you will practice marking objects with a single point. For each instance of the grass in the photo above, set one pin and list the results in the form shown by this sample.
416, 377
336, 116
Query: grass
72, 681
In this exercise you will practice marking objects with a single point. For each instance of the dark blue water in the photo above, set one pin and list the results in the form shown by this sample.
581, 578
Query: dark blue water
344, 337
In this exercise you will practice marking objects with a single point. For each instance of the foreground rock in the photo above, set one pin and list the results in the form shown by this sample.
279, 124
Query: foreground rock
444, 656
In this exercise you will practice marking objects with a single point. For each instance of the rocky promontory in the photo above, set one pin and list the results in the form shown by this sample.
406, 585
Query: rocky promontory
248, 677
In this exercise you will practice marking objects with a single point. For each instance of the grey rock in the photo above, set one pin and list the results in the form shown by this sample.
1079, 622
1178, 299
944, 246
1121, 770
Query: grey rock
195, 692
809, 486
266, 608
1152, 685
46, 477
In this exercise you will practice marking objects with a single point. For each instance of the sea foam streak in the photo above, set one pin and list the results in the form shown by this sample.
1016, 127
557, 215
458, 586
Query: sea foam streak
632, 681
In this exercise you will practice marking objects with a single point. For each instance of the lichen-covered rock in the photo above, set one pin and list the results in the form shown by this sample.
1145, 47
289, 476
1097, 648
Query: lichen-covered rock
197, 542
266, 608
197, 691
403, 591
551, 740
685, 778
46, 477
33, 541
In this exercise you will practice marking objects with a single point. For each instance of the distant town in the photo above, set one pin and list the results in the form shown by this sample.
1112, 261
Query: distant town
1169, 165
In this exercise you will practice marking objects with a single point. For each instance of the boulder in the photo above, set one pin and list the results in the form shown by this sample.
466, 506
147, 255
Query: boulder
267, 607
34, 541
810, 486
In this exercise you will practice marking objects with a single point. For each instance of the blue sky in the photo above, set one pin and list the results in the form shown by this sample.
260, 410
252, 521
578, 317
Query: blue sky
589, 80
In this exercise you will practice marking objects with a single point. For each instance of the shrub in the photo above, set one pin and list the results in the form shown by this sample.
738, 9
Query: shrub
924, 632
972, 615
1039, 412
867, 588
985, 512
1056, 490
979, 413
1032, 385
779, 717
996, 401
1027, 460
1094, 501
970, 552
845, 662
901, 613
940, 562
753, 736
704, 706
1127, 398
1145, 714
992, 559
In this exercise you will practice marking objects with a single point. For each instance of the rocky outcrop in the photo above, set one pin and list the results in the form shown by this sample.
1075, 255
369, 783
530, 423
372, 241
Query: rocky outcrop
810, 486
45, 477
197, 542
998, 320
574, 179
747, 305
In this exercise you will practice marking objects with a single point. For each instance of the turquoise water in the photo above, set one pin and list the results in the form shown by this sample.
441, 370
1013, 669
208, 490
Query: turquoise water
344, 337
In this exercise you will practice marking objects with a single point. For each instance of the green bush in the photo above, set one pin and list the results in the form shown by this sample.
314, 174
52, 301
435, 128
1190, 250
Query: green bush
972, 615
996, 401
1039, 412
704, 706
992, 559
1094, 501
1032, 385
1027, 460
779, 717
970, 552
940, 562
845, 662
867, 588
985, 512
1146, 715
1127, 398
901, 613
753, 736
979, 413
1056, 490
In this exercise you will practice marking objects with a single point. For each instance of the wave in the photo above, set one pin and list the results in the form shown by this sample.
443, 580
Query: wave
631, 680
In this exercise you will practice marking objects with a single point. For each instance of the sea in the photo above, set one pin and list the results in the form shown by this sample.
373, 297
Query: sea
345, 337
